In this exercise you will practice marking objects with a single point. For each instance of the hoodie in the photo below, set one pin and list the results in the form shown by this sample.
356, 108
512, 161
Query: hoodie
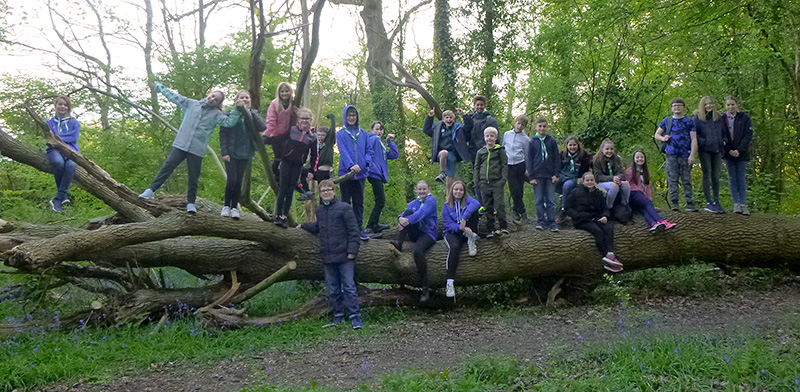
67, 129
452, 216
381, 153
354, 147
424, 211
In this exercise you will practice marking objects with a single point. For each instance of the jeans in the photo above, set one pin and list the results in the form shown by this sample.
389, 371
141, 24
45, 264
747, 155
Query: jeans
710, 162
233, 186
679, 174
603, 234
565, 189
516, 186
495, 203
290, 174
544, 191
63, 171
613, 191
353, 194
640, 202
454, 242
737, 180
342, 288
194, 164
380, 201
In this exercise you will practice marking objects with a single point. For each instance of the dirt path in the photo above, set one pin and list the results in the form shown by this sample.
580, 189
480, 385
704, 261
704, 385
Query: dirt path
445, 340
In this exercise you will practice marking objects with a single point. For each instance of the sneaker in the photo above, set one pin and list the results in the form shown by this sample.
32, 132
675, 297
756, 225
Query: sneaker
504, 231
306, 196
55, 205
482, 210
611, 260
280, 222
147, 194
658, 227
190, 208
451, 290
336, 321
554, 228
690, 207
490, 234
226, 212
612, 268
67, 199
364, 236
235, 213
381, 227
674, 207
357, 324
471, 244
710, 208
426, 295
539, 227
668, 225
719, 208
745, 211
737, 208
441, 177
397, 245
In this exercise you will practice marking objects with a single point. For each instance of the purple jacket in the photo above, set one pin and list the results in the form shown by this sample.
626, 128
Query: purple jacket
353, 148
67, 129
426, 213
379, 164
452, 216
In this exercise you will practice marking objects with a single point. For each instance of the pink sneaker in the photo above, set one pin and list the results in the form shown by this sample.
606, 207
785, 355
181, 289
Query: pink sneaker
658, 227
668, 225
611, 260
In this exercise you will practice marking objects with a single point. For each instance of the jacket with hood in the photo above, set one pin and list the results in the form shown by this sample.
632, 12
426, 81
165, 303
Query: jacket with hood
605, 169
491, 166
353, 147
540, 166
280, 119
709, 133
67, 129
237, 141
480, 121
452, 216
338, 231
297, 145
381, 153
585, 205
325, 150
424, 212
461, 136
740, 140
199, 121
636, 182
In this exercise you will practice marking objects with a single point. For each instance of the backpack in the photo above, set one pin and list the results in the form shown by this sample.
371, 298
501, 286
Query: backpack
662, 148
622, 213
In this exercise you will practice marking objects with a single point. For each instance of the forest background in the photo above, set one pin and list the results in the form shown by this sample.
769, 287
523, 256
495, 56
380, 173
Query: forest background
596, 69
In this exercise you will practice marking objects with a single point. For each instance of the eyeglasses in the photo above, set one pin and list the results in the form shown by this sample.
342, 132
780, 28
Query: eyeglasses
326, 190
305, 118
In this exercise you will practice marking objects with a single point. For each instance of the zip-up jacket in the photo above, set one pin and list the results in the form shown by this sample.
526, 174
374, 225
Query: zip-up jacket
516, 145
461, 136
452, 216
606, 169
280, 119
479, 122
338, 231
297, 145
237, 141
709, 133
353, 147
199, 121
379, 165
538, 166
742, 135
491, 166
585, 205
67, 129
425, 213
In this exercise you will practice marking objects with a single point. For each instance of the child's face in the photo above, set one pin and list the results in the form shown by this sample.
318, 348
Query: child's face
639, 159
62, 109
243, 98
422, 189
352, 117
327, 193
490, 138
479, 106
321, 137
518, 126
541, 128
608, 150
458, 191
731, 106
449, 119
572, 146
588, 181
214, 98
378, 129
677, 108
305, 120
709, 106
285, 93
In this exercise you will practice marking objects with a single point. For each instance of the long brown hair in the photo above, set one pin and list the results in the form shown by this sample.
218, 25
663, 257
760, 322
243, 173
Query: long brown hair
599, 156
701, 109
645, 169
580, 152
450, 199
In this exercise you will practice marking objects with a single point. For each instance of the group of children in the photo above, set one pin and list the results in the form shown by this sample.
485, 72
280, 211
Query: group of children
303, 154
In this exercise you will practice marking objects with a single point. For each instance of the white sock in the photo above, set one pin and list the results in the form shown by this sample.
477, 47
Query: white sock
449, 281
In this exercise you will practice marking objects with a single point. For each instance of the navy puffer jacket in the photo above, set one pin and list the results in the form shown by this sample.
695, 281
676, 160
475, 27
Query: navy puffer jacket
337, 229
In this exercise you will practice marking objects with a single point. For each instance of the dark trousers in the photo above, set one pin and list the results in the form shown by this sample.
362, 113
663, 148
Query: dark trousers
640, 202
342, 288
422, 242
380, 201
234, 169
711, 162
63, 171
495, 203
454, 242
516, 186
679, 175
277, 152
290, 174
603, 234
194, 164
353, 194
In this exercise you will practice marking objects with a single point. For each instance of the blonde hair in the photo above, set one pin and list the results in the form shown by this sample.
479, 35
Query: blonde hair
450, 199
278, 91
490, 130
448, 113
701, 109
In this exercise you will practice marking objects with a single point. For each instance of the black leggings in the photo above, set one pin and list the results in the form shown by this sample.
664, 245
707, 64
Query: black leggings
603, 234
233, 186
422, 242
454, 242
290, 174
380, 201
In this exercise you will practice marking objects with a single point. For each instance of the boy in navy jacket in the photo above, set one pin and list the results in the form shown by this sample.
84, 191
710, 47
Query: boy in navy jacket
544, 163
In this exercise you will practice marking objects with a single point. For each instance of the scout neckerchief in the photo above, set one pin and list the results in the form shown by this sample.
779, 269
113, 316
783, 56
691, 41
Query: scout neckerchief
572, 161
544, 147
355, 141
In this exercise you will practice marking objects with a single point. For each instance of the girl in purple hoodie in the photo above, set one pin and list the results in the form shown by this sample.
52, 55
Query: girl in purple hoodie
354, 155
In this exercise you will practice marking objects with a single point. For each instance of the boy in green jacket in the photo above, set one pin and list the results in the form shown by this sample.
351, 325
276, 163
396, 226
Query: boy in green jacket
490, 174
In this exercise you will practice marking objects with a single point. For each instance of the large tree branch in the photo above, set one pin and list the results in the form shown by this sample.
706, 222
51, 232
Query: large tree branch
311, 55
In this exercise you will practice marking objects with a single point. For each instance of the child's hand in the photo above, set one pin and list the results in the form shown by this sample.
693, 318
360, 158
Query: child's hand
299, 226
555, 179
603, 220
355, 168
460, 111
390, 136
616, 180
310, 176
403, 221
468, 232
667, 137
534, 182
351, 256
431, 113
226, 158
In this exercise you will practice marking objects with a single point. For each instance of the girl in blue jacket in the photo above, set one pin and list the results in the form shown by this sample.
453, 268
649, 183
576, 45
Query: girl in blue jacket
379, 172
418, 224
68, 129
354, 155
460, 218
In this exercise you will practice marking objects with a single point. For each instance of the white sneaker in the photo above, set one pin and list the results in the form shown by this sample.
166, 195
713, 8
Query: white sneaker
226, 212
147, 194
190, 208
235, 213
471, 244
451, 290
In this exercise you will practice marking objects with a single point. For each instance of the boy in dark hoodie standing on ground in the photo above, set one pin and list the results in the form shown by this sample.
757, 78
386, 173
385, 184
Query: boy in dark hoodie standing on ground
489, 175
480, 119
354, 155
544, 163
338, 242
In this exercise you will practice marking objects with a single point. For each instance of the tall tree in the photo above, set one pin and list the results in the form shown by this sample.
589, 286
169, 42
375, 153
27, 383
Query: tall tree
444, 62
